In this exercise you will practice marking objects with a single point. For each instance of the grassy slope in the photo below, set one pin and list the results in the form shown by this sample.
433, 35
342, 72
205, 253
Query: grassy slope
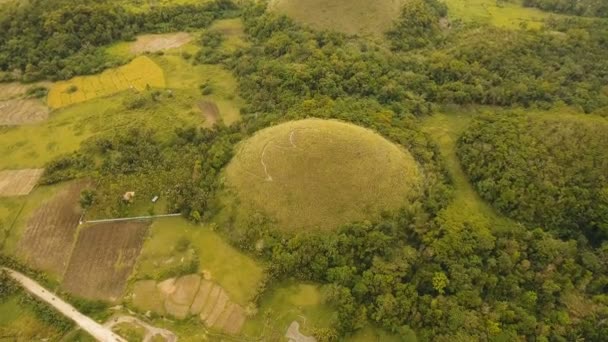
506, 14
320, 174
286, 303
467, 206
235, 272
361, 17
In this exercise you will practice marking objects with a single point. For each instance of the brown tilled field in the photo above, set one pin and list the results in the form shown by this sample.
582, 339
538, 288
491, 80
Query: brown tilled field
22, 111
159, 42
18, 182
210, 111
50, 233
103, 259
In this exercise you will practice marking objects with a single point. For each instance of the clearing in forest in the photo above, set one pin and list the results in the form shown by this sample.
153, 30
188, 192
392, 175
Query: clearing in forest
190, 295
18, 182
320, 174
51, 230
160, 42
103, 258
140, 73
22, 111
354, 17
211, 112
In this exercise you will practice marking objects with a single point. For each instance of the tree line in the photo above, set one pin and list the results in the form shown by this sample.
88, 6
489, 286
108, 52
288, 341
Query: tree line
589, 8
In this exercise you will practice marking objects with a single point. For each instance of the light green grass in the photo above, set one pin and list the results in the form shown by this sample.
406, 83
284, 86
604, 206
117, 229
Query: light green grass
19, 323
353, 17
237, 273
373, 334
321, 173
287, 303
467, 206
233, 31
498, 13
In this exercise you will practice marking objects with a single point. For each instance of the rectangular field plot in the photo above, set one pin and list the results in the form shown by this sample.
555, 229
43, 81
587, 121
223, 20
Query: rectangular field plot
103, 259
18, 182
22, 111
51, 230
138, 74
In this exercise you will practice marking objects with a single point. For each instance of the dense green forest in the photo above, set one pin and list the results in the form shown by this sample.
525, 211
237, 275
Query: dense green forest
59, 40
591, 8
416, 269
549, 172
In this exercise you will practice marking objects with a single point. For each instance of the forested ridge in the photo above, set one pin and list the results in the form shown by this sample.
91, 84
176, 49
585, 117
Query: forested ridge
418, 270
60, 39
591, 8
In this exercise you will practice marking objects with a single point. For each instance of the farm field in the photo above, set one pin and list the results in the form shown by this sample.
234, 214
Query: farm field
161, 254
313, 173
18, 182
103, 258
22, 111
139, 74
51, 231
159, 42
353, 17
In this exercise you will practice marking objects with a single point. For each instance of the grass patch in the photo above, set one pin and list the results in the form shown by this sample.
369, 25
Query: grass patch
353, 17
238, 274
499, 13
287, 303
19, 323
321, 174
139, 74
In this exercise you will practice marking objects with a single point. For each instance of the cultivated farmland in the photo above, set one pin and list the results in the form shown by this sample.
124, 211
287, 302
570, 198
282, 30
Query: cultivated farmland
138, 74
22, 111
18, 182
159, 42
354, 17
191, 295
103, 258
321, 173
50, 232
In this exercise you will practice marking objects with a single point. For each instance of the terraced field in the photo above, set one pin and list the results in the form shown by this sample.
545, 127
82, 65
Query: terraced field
187, 296
139, 74
18, 182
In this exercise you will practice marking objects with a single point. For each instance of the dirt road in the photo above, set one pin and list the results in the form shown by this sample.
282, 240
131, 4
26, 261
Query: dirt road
85, 323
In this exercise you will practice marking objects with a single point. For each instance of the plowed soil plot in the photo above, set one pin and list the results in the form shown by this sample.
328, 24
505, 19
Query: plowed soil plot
17, 112
159, 42
18, 182
210, 111
103, 259
50, 232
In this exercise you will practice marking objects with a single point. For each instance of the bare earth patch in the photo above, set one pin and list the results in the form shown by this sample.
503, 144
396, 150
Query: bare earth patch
22, 111
50, 232
159, 42
103, 259
15, 90
18, 182
210, 111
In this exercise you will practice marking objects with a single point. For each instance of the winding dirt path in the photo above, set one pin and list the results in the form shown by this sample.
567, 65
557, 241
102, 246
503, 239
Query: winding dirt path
95, 329
151, 331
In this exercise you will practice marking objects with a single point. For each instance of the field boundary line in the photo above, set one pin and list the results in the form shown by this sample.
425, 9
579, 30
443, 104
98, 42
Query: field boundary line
131, 218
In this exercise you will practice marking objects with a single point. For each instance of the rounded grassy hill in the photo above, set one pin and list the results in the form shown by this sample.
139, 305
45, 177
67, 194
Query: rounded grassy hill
355, 17
317, 173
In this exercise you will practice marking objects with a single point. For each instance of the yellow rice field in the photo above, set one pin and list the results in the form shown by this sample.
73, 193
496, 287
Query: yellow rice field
138, 74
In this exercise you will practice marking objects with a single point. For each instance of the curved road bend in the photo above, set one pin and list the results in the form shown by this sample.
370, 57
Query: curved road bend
95, 329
